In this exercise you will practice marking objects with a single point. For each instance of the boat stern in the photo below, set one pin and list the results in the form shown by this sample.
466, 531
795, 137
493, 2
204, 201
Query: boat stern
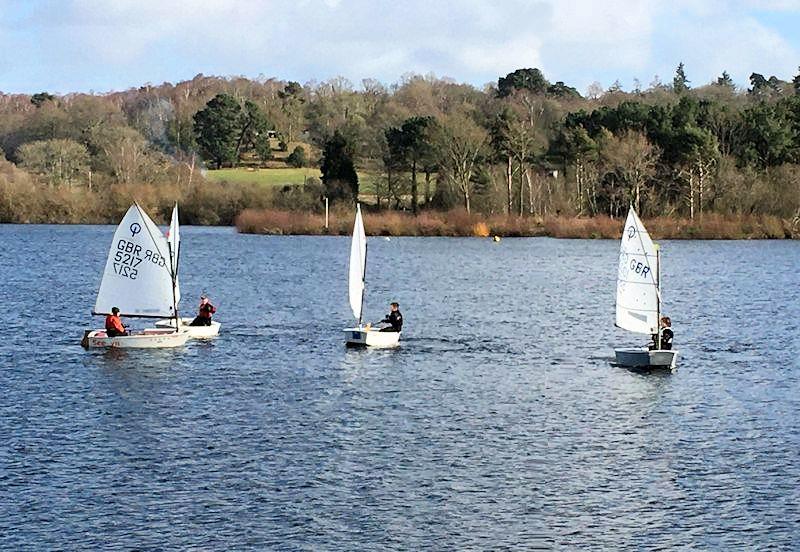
662, 358
361, 337
645, 358
355, 337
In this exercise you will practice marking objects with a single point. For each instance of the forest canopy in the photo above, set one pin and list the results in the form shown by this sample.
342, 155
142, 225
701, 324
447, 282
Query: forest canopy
524, 146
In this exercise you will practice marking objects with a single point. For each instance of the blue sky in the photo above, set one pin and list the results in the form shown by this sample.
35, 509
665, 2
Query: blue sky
101, 45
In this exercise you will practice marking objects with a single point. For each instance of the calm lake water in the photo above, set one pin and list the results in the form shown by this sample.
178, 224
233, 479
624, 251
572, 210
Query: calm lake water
499, 424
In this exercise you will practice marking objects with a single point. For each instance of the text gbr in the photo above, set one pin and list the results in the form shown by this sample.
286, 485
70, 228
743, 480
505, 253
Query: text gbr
640, 268
128, 257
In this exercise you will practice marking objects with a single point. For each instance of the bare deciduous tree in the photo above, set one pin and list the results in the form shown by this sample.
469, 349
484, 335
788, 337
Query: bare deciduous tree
462, 144
632, 159
59, 161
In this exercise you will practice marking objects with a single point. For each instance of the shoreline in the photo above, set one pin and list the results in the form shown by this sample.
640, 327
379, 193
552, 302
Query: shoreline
460, 224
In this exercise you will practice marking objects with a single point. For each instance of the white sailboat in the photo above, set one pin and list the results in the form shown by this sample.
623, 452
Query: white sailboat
639, 295
174, 243
139, 280
362, 335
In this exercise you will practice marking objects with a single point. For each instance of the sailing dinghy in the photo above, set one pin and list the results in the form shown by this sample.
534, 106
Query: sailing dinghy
362, 335
139, 279
174, 243
639, 296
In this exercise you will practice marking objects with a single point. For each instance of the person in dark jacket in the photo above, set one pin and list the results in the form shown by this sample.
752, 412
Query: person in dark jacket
666, 335
395, 318
205, 312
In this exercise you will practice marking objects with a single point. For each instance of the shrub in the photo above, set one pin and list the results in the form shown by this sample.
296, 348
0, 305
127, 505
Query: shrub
298, 157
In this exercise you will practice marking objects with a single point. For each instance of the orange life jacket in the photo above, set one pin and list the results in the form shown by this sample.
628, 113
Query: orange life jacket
114, 323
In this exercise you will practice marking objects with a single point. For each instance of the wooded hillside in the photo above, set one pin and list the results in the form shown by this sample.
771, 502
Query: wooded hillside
524, 146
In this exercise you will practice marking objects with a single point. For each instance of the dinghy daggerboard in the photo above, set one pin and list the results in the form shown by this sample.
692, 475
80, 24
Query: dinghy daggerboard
357, 275
638, 304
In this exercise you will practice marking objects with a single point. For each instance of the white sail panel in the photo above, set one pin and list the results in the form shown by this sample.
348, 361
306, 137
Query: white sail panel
358, 259
637, 279
137, 276
174, 242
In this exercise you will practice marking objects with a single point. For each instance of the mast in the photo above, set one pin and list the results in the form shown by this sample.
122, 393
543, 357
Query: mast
177, 244
363, 283
658, 297
174, 275
177, 257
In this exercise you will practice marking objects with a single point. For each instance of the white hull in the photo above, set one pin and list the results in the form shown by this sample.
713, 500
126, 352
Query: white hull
361, 337
149, 339
197, 332
644, 358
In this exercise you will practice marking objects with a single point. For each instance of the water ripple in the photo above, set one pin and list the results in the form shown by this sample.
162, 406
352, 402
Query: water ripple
499, 424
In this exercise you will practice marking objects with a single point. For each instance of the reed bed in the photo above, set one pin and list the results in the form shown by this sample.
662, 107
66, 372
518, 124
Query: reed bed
457, 223
259, 210
716, 227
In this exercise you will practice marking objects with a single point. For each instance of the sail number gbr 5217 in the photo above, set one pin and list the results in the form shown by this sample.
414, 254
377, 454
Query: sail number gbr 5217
128, 257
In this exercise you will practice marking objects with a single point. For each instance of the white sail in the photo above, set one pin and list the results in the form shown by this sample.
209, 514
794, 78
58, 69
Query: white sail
637, 279
174, 242
137, 276
358, 260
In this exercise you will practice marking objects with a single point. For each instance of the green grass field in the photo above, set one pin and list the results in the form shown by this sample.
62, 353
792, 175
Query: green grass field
267, 177
282, 177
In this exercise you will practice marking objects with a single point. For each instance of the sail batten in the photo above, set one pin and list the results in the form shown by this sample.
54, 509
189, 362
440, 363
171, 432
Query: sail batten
137, 278
637, 281
358, 258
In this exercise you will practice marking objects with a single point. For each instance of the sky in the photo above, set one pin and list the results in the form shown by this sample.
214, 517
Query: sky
63, 46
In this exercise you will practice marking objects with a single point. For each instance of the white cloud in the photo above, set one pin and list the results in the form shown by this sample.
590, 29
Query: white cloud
98, 44
596, 37
712, 36
740, 46
493, 58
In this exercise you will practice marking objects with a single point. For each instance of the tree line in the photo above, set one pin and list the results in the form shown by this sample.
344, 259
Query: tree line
523, 146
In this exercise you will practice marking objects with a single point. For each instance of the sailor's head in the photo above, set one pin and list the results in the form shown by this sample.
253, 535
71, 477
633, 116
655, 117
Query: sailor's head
203, 299
394, 306
666, 322
114, 311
